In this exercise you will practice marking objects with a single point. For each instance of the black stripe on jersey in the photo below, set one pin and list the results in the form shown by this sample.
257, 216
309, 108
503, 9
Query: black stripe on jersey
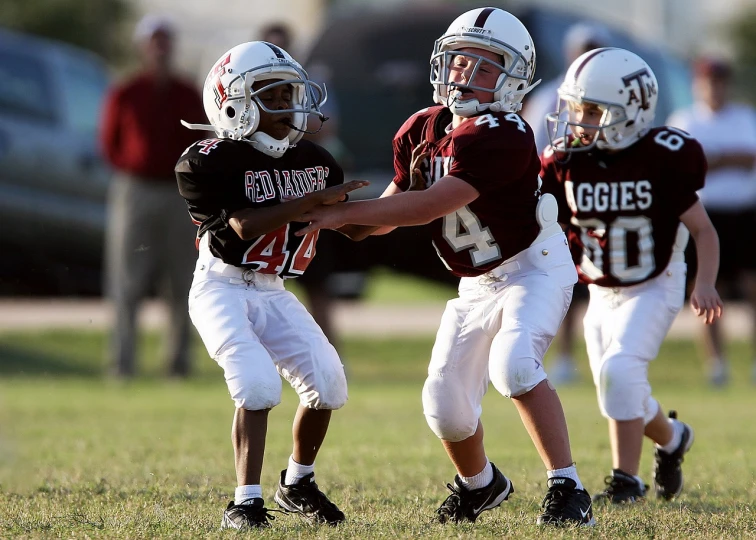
480, 22
588, 58
275, 49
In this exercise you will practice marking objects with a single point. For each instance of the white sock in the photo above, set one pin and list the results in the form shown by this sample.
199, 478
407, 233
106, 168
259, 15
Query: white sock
568, 472
245, 494
480, 480
677, 431
296, 471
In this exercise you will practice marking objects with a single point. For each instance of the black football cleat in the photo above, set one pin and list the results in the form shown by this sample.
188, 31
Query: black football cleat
564, 504
304, 498
668, 477
466, 505
246, 516
621, 488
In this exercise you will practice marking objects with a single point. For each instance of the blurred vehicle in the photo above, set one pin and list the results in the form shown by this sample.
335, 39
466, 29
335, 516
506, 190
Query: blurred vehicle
53, 182
379, 67
52, 179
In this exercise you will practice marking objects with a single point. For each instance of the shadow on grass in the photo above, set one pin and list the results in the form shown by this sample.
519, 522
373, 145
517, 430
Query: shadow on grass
24, 361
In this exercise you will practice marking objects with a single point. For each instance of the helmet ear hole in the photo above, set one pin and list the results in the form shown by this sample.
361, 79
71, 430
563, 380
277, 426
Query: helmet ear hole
230, 112
520, 86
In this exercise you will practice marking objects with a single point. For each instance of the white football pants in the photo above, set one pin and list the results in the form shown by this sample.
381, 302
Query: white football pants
624, 328
256, 330
498, 331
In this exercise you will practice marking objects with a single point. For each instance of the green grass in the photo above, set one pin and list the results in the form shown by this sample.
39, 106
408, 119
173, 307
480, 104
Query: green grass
82, 456
387, 287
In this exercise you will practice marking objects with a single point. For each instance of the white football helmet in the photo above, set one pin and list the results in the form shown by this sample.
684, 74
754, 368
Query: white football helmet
624, 88
233, 108
494, 30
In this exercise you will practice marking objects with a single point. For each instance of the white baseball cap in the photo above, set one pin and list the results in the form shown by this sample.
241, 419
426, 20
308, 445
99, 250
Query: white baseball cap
150, 24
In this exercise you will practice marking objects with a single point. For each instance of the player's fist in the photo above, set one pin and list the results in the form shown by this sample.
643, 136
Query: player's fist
706, 303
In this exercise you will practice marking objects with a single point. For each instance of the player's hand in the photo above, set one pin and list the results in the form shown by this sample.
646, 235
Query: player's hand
335, 194
419, 155
705, 302
321, 217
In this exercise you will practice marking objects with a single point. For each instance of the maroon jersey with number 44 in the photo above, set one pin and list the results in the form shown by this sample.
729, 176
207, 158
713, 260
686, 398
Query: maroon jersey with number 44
496, 154
623, 208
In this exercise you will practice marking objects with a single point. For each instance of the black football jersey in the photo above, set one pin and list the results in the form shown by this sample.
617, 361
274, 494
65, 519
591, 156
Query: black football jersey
217, 177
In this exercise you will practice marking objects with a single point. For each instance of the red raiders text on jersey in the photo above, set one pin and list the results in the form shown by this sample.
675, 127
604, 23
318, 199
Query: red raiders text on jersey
624, 208
219, 176
496, 154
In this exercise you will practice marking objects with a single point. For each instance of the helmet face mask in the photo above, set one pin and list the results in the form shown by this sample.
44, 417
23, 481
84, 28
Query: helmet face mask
493, 30
234, 108
569, 120
614, 81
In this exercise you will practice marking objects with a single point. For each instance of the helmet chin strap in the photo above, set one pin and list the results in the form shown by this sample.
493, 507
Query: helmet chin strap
268, 145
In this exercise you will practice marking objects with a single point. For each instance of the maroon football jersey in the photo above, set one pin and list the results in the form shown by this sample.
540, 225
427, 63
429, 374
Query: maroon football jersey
496, 154
623, 208
217, 177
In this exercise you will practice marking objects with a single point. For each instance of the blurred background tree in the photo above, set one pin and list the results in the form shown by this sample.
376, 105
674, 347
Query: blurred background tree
102, 26
742, 34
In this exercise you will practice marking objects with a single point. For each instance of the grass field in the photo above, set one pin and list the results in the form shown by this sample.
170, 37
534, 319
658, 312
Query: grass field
82, 456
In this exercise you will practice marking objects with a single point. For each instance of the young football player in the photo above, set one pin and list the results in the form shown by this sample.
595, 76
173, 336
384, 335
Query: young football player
478, 162
243, 188
627, 194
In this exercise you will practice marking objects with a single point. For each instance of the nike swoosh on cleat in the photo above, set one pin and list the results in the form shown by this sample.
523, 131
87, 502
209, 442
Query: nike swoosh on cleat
585, 514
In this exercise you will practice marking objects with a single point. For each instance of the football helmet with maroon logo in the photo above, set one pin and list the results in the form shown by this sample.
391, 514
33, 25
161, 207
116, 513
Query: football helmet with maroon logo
233, 108
494, 30
623, 87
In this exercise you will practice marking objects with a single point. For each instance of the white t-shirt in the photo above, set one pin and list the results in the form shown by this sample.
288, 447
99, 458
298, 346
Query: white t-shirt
542, 101
731, 129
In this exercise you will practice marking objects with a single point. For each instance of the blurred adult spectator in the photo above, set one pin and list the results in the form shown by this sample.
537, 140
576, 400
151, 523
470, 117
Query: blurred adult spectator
580, 38
149, 237
277, 33
316, 282
727, 132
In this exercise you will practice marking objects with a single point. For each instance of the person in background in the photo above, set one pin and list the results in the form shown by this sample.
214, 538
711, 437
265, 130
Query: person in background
727, 132
317, 281
580, 38
149, 239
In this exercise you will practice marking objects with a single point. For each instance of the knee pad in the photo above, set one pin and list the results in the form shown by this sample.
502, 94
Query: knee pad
516, 361
624, 392
328, 391
448, 411
252, 380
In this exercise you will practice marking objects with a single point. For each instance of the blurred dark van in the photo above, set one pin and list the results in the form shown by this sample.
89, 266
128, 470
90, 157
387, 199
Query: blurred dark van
52, 179
377, 66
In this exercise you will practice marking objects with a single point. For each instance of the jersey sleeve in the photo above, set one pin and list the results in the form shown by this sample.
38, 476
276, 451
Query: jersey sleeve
490, 153
200, 182
550, 184
406, 139
686, 174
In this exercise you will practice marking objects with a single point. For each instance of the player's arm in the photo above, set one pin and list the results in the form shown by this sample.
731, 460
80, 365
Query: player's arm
400, 210
360, 232
249, 223
704, 299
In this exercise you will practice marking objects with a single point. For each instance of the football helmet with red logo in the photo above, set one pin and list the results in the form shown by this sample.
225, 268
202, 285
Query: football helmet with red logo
493, 30
623, 88
233, 108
